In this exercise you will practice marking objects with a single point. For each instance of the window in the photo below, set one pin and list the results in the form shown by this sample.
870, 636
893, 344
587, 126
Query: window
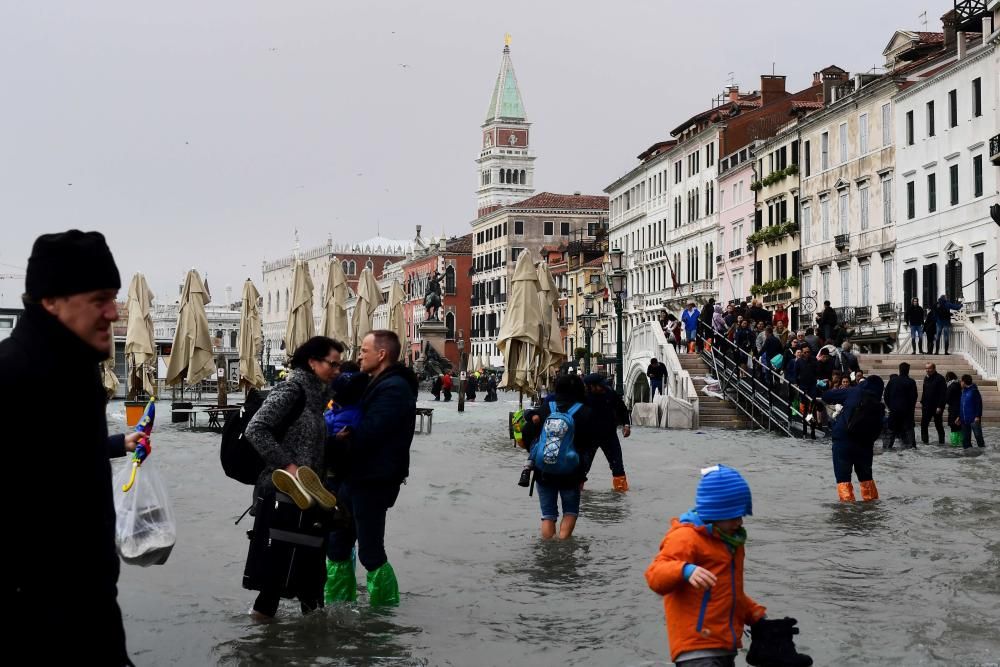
980, 283
807, 282
886, 200
514, 252
808, 158
863, 206
843, 143
865, 284
825, 274
863, 134
953, 173
977, 176
886, 125
592, 228
911, 204
931, 193
845, 212
369, 265
677, 172
519, 227
952, 108
449, 321
710, 154
977, 97
909, 128
824, 151
549, 228
269, 302
806, 225
887, 278
930, 283
824, 213
845, 285
449, 280
795, 152
930, 118
564, 229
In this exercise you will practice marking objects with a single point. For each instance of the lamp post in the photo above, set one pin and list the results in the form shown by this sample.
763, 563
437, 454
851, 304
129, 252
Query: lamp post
267, 364
461, 370
586, 320
615, 276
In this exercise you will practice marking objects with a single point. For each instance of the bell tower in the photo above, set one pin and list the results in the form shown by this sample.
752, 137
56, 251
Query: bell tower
506, 164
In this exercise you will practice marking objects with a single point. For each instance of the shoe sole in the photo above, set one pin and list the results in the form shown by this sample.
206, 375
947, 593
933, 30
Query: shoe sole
284, 482
311, 482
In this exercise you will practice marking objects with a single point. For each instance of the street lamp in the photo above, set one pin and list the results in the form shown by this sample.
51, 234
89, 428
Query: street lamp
616, 283
267, 364
461, 370
586, 320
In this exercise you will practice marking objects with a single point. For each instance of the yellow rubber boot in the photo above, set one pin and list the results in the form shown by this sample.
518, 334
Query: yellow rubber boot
868, 490
845, 490
619, 483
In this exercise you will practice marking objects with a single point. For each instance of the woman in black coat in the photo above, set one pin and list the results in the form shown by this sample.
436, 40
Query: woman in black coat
930, 330
953, 399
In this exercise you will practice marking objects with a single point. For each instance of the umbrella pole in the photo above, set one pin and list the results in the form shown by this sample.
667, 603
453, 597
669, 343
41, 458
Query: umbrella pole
520, 398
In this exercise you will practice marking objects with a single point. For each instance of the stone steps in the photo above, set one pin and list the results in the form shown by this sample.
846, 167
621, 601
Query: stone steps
712, 412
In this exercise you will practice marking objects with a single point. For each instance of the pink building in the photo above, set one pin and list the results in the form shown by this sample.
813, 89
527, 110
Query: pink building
734, 263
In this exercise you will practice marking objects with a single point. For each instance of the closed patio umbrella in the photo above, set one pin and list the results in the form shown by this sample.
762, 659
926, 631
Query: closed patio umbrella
521, 331
551, 344
301, 325
140, 348
251, 339
191, 358
108, 377
397, 318
334, 321
369, 297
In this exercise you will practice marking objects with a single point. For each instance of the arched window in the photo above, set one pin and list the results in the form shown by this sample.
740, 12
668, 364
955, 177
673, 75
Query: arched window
268, 302
232, 338
510, 176
449, 280
503, 176
286, 298
523, 177
385, 267
369, 265
353, 268
346, 267
449, 321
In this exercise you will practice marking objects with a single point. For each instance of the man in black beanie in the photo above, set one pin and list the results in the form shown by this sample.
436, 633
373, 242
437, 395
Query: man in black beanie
61, 575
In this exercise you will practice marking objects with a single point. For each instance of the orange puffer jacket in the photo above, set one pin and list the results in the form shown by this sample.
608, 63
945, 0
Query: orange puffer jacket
696, 619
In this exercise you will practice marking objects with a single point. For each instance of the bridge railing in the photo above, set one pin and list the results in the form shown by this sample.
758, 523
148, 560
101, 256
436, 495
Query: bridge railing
968, 340
645, 342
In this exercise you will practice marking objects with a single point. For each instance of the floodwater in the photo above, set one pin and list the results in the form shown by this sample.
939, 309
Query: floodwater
913, 579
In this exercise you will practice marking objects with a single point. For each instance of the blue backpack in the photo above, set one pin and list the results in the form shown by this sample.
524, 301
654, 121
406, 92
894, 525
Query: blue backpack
553, 452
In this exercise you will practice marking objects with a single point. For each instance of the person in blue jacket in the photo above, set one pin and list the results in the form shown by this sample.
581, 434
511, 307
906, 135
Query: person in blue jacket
848, 453
690, 319
942, 313
971, 412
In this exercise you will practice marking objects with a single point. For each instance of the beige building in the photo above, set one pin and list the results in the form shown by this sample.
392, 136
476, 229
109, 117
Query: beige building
585, 276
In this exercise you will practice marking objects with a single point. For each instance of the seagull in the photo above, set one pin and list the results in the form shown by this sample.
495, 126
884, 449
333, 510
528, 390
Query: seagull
403, 65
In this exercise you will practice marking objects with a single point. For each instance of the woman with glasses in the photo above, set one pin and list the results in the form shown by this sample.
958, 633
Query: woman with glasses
287, 557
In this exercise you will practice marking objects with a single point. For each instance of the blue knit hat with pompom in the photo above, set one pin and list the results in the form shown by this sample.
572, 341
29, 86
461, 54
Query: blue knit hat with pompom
722, 494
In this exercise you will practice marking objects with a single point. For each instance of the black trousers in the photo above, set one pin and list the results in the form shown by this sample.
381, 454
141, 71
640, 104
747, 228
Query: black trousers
368, 504
848, 457
929, 413
900, 426
612, 448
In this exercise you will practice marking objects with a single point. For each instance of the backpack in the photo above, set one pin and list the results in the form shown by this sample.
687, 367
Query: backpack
553, 453
240, 460
865, 423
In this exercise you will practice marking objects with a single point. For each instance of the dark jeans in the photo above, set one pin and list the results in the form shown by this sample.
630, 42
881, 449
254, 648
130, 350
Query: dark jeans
848, 456
901, 426
612, 449
654, 386
368, 504
927, 414
968, 430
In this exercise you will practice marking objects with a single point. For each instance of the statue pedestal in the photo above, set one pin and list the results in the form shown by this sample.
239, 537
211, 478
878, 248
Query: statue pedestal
435, 333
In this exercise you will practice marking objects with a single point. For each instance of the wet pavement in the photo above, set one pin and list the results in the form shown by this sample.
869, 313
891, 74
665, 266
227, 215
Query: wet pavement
913, 579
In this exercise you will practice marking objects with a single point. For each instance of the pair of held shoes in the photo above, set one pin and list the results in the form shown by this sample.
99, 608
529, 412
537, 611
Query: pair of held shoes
772, 644
304, 488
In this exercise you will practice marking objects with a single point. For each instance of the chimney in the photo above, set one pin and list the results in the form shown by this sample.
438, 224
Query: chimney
229, 295
734, 93
948, 25
418, 231
987, 28
816, 79
772, 88
961, 45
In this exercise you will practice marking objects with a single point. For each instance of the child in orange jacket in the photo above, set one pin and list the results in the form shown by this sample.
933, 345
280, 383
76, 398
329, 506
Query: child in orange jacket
699, 573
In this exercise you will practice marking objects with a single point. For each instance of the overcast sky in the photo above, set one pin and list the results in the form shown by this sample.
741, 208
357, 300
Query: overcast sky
203, 133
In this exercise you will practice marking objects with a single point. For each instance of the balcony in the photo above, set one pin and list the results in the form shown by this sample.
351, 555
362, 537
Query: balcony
888, 312
974, 307
842, 241
875, 240
853, 315
736, 252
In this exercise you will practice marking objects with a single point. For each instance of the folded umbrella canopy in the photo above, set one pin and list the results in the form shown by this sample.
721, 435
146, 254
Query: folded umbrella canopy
369, 297
108, 377
251, 338
521, 331
140, 348
301, 325
397, 318
551, 344
334, 322
191, 354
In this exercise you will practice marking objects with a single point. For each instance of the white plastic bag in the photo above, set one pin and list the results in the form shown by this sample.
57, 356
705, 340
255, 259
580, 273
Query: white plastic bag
145, 531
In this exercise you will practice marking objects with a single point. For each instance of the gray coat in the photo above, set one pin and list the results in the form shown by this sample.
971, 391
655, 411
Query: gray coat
304, 441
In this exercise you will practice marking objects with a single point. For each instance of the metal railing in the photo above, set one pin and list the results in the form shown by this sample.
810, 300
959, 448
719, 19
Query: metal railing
968, 340
842, 240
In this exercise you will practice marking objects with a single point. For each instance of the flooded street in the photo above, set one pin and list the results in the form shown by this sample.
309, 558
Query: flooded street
913, 579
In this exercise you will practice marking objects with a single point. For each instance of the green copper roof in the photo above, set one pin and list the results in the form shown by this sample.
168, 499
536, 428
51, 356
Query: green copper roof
506, 101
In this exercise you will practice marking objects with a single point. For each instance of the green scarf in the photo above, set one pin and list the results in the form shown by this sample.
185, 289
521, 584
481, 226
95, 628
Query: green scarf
734, 541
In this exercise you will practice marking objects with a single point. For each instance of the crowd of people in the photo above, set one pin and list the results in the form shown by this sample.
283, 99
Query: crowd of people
482, 380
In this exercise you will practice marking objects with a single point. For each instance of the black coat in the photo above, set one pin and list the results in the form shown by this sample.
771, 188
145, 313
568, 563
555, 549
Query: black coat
933, 394
61, 521
953, 398
828, 316
608, 411
901, 395
930, 324
915, 316
379, 448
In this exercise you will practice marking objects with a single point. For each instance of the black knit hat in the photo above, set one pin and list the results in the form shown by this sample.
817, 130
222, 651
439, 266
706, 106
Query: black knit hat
68, 263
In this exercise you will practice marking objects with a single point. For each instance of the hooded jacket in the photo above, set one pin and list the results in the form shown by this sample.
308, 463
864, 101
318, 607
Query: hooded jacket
379, 447
943, 311
972, 404
718, 321
850, 398
696, 619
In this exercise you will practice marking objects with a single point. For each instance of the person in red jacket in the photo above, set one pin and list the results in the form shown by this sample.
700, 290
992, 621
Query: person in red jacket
446, 385
699, 573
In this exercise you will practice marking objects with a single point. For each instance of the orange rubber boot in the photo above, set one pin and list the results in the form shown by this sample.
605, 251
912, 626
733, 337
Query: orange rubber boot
619, 483
868, 490
846, 492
